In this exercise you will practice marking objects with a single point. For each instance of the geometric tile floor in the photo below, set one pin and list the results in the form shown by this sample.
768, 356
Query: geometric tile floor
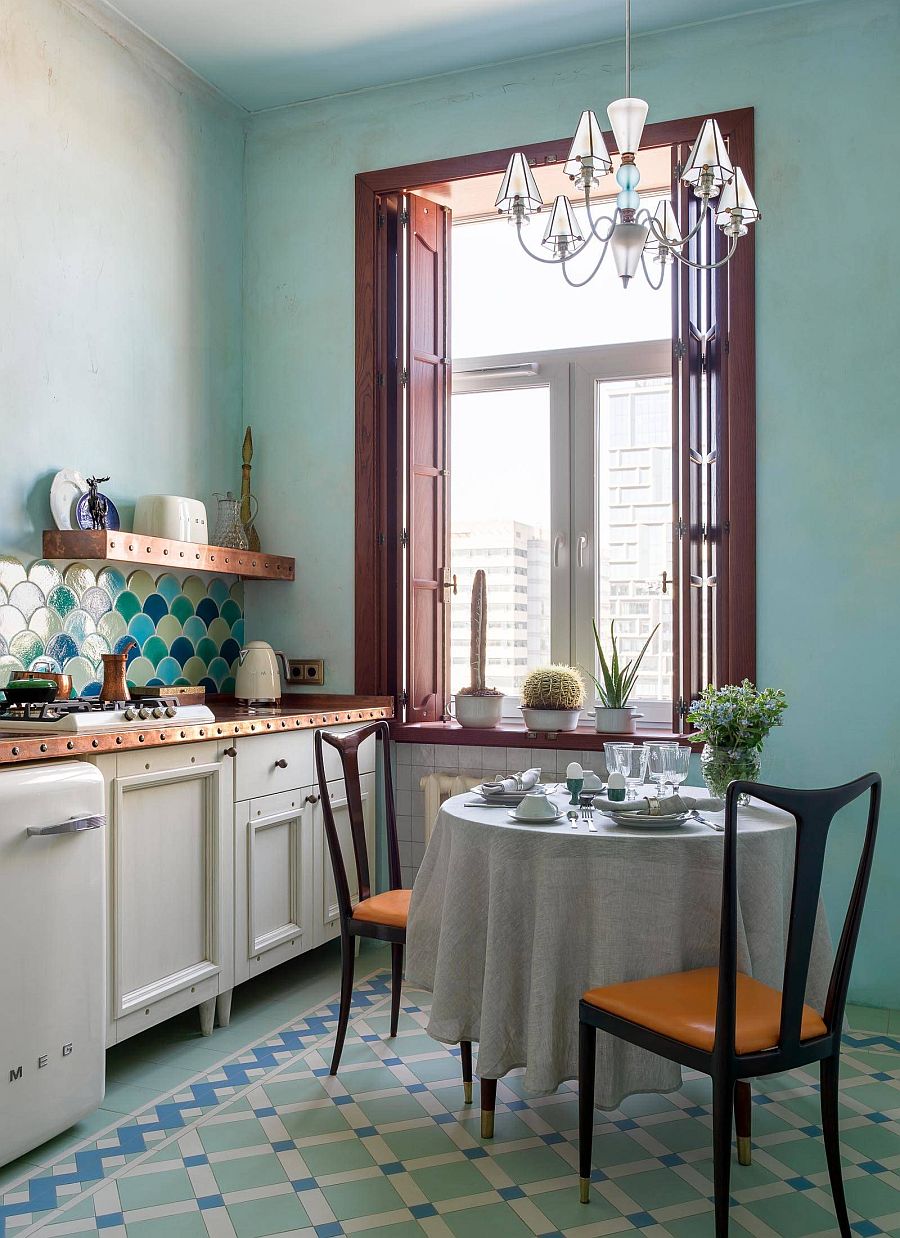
265, 1142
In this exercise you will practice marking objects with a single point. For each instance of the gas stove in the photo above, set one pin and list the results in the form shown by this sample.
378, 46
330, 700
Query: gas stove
86, 713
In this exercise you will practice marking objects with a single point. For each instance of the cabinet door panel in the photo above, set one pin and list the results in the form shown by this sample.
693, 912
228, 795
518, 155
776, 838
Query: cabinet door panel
168, 860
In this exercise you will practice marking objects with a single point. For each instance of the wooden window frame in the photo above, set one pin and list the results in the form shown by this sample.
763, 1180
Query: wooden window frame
375, 601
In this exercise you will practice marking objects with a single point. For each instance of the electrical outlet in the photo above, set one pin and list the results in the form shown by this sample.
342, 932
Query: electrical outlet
306, 670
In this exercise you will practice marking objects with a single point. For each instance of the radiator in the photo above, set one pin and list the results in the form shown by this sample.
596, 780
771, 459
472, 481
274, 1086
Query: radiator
438, 787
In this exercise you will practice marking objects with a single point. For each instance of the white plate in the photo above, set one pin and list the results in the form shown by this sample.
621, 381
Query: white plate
536, 820
643, 821
512, 797
67, 488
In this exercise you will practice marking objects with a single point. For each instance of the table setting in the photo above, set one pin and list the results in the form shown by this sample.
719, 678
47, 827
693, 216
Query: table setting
530, 893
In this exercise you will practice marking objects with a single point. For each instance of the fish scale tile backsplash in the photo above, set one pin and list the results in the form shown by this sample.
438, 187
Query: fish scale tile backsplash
188, 630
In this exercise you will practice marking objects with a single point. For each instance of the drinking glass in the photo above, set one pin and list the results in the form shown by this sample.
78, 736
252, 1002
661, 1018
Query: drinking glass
632, 763
679, 765
659, 764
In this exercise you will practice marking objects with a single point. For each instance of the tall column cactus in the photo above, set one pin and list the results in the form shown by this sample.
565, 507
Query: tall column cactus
478, 647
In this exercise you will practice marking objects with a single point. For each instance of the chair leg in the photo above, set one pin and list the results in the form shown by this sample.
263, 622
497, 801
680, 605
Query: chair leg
587, 1055
723, 1109
488, 1105
829, 1069
396, 984
465, 1054
743, 1121
347, 960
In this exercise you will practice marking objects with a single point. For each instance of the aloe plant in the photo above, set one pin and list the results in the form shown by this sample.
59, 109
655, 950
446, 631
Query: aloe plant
614, 690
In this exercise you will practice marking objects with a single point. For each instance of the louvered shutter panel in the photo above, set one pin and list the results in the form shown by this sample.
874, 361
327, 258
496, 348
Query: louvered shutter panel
426, 383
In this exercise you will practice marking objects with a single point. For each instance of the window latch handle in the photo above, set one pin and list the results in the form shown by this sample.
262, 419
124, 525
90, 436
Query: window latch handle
558, 542
581, 545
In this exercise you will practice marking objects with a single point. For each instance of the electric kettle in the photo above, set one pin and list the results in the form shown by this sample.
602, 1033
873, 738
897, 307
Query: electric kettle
257, 678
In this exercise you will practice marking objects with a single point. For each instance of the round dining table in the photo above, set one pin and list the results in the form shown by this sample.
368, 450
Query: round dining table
510, 923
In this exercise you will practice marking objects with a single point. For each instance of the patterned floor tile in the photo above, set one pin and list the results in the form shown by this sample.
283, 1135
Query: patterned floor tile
264, 1142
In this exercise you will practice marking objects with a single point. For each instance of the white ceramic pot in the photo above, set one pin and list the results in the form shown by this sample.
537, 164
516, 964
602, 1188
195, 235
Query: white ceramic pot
483, 711
614, 721
551, 719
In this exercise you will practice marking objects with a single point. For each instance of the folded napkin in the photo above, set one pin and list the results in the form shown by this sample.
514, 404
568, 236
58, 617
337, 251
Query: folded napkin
507, 786
656, 807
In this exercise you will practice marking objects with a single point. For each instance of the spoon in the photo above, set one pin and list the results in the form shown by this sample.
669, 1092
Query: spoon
573, 818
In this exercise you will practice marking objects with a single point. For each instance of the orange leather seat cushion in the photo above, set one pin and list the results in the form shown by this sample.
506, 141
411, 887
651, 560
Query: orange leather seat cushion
390, 908
682, 1006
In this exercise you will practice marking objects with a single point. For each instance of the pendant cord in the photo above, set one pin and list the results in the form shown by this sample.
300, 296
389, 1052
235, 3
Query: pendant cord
627, 49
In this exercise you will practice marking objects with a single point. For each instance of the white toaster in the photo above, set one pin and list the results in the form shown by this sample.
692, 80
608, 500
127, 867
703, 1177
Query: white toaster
170, 516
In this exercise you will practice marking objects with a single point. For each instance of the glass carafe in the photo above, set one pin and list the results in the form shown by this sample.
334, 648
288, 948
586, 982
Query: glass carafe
229, 529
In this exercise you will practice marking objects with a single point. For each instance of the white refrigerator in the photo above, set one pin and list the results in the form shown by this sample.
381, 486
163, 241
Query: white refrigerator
52, 950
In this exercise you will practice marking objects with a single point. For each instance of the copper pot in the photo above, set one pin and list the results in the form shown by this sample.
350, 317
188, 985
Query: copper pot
63, 682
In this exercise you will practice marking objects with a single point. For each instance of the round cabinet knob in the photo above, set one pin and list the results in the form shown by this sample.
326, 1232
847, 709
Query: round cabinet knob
229, 752
281, 763
312, 799
130, 713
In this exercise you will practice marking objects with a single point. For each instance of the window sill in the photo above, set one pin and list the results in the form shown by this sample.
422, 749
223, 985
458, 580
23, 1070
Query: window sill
514, 735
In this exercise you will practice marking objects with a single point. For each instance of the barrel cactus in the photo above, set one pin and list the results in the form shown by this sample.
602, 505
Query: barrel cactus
553, 687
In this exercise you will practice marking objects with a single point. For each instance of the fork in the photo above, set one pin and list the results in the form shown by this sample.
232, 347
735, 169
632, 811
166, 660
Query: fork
587, 814
713, 825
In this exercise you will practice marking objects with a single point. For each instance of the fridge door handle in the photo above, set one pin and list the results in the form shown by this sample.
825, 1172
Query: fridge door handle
75, 826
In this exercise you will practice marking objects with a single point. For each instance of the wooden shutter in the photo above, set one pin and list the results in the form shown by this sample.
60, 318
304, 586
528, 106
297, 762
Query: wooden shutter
425, 379
699, 397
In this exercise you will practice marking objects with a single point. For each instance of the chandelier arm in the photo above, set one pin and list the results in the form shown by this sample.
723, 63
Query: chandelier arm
553, 262
662, 274
689, 236
581, 283
605, 218
710, 266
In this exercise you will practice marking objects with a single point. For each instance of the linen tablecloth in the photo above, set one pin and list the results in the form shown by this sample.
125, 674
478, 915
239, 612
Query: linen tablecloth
509, 924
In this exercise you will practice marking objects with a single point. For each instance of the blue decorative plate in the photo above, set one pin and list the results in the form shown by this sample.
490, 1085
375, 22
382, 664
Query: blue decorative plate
83, 514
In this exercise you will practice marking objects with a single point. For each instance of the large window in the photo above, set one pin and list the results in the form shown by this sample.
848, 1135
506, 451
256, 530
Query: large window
593, 451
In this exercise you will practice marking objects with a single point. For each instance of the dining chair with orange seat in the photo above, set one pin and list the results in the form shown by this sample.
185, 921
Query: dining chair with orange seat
726, 1024
379, 916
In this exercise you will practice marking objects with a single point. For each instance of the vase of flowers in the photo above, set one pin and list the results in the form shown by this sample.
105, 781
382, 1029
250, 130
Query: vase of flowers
733, 722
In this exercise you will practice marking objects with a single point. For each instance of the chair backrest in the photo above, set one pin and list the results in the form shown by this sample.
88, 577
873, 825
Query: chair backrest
347, 746
813, 812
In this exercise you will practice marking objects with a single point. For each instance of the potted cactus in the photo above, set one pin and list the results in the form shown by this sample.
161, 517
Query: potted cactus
552, 699
478, 705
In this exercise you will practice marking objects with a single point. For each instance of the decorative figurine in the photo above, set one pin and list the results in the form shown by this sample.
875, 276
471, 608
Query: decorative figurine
94, 510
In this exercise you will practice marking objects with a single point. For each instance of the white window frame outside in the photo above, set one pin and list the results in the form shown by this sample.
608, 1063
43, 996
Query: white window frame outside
571, 375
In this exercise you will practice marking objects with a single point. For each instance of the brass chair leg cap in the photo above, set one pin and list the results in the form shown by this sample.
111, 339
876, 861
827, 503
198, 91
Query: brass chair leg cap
487, 1124
745, 1156
467, 1091
584, 1190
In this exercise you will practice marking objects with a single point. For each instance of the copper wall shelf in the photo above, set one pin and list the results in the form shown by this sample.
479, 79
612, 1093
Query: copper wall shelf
136, 548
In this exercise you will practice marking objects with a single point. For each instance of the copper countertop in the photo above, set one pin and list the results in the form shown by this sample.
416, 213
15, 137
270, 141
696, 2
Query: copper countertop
231, 721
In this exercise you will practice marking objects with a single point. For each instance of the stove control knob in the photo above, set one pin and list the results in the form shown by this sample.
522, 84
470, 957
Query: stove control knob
158, 711
143, 712
130, 713
171, 711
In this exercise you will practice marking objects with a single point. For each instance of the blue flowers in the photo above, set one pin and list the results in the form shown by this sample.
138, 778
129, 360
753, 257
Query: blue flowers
737, 715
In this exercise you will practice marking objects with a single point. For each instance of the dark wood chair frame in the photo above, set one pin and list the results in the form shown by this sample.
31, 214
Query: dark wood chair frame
814, 812
347, 746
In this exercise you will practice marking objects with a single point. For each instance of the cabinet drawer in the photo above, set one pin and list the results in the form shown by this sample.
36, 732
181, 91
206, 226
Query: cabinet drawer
258, 771
153, 760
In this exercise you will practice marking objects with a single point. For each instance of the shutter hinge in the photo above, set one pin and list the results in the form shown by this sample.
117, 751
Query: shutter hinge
680, 348
681, 708
379, 539
380, 219
379, 380
680, 528
404, 376
726, 526
726, 344
404, 218
703, 358
404, 537
403, 699
678, 170
704, 532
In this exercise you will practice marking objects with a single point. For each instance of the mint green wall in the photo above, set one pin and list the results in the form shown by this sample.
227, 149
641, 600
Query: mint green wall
121, 219
823, 81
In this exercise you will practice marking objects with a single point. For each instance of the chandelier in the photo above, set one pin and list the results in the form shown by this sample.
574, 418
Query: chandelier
632, 233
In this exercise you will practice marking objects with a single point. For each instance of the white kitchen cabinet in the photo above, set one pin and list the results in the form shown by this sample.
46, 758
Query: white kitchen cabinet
327, 922
171, 884
273, 860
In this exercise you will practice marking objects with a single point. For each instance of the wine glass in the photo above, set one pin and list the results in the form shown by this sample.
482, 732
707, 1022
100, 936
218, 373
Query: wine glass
679, 762
631, 762
659, 764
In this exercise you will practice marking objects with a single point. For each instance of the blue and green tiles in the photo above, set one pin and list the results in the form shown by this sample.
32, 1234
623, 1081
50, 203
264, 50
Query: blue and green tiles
186, 631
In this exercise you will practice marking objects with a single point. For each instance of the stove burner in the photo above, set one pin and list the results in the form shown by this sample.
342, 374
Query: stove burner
52, 711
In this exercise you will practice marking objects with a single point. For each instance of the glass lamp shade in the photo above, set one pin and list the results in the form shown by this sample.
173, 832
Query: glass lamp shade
627, 117
588, 145
627, 246
519, 182
667, 224
562, 230
711, 153
736, 196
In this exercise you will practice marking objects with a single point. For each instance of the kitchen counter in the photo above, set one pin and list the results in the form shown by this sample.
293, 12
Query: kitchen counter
232, 720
